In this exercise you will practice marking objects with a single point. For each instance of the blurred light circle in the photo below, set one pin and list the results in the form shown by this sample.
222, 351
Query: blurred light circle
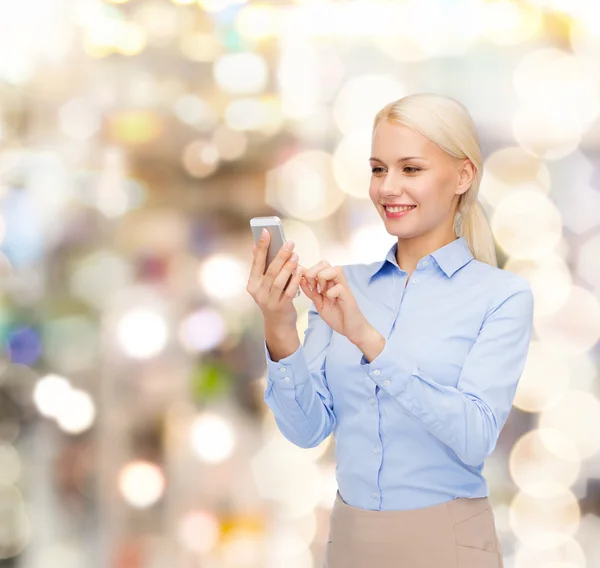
24, 345
50, 394
72, 343
88, 279
574, 328
549, 277
561, 551
202, 330
329, 486
10, 465
241, 73
555, 82
511, 169
230, 144
526, 224
304, 186
223, 277
142, 333
549, 135
255, 114
533, 518
79, 118
199, 531
584, 30
201, 158
544, 380
258, 21
284, 474
577, 415
135, 126
361, 98
212, 438
540, 472
367, 242
141, 483
509, 22
351, 164
77, 413
203, 47
195, 111
218, 5
588, 263
65, 555
17, 525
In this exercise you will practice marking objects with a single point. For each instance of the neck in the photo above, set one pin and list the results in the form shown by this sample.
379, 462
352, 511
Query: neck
411, 250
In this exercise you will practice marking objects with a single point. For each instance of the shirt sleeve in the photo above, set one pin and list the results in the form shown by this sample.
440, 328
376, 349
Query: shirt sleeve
297, 390
469, 417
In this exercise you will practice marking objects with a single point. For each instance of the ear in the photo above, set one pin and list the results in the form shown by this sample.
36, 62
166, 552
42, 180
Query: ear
466, 172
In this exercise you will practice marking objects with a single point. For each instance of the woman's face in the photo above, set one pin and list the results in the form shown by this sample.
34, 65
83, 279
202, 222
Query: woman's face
409, 169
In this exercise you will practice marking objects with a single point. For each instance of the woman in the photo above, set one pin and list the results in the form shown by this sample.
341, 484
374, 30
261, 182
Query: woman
412, 362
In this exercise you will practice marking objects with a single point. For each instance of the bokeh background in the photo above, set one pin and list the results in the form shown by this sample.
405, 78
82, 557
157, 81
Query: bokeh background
138, 138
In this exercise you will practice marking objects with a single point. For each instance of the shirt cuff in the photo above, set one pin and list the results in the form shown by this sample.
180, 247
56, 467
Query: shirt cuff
389, 371
289, 371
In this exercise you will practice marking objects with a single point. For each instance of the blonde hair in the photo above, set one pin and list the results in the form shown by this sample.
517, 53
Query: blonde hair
446, 122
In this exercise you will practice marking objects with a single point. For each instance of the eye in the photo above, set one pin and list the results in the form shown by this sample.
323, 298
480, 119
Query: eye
411, 168
374, 170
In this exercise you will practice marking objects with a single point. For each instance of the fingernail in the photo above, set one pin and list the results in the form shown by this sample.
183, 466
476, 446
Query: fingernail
294, 257
263, 234
289, 245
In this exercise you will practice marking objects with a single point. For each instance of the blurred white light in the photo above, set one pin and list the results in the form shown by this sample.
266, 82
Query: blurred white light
202, 330
361, 98
199, 531
50, 394
142, 333
79, 118
367, 243
77, 413
574, 328
527, 224
218, 5
212, 438
193, 110
89, 281
223, 277
10, 465
241, 73
351, 164
141, 483
304, 186
577, 415
249, 113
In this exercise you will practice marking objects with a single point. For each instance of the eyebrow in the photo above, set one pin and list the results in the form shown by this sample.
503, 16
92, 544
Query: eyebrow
373, 159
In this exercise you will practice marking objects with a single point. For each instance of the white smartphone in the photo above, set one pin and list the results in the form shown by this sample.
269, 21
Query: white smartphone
273, 225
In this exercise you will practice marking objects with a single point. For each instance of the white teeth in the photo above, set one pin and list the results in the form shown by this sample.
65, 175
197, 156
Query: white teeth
398, 209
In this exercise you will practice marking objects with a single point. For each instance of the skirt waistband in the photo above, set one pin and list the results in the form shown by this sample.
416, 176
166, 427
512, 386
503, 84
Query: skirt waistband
459, 509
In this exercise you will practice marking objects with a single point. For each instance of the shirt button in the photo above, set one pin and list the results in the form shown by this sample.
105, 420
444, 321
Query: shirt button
376, 372
287, 379
372, 400
386, 383
416, 280
282, 369
375, 450
374, 495
425, 263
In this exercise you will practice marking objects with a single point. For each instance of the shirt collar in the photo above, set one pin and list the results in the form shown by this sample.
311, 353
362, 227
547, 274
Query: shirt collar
449, 258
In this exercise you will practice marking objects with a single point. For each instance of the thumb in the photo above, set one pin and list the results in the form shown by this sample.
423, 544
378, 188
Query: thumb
312, 295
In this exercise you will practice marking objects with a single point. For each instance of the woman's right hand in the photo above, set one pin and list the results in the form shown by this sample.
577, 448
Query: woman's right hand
266, 288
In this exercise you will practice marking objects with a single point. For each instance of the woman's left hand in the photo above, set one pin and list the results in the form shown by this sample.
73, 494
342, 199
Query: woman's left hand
334, 301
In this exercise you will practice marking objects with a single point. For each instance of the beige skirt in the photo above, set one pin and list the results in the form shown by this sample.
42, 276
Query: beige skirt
457, 534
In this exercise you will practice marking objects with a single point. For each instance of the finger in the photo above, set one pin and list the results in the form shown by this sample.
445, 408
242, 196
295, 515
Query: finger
290, 291
311, 273
278, 285
326, 275
260, 255
311, 293
283, 255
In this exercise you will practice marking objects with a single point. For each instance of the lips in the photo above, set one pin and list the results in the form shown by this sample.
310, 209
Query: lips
397, 215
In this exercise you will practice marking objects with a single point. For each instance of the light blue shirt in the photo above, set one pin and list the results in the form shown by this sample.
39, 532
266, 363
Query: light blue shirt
413, 427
